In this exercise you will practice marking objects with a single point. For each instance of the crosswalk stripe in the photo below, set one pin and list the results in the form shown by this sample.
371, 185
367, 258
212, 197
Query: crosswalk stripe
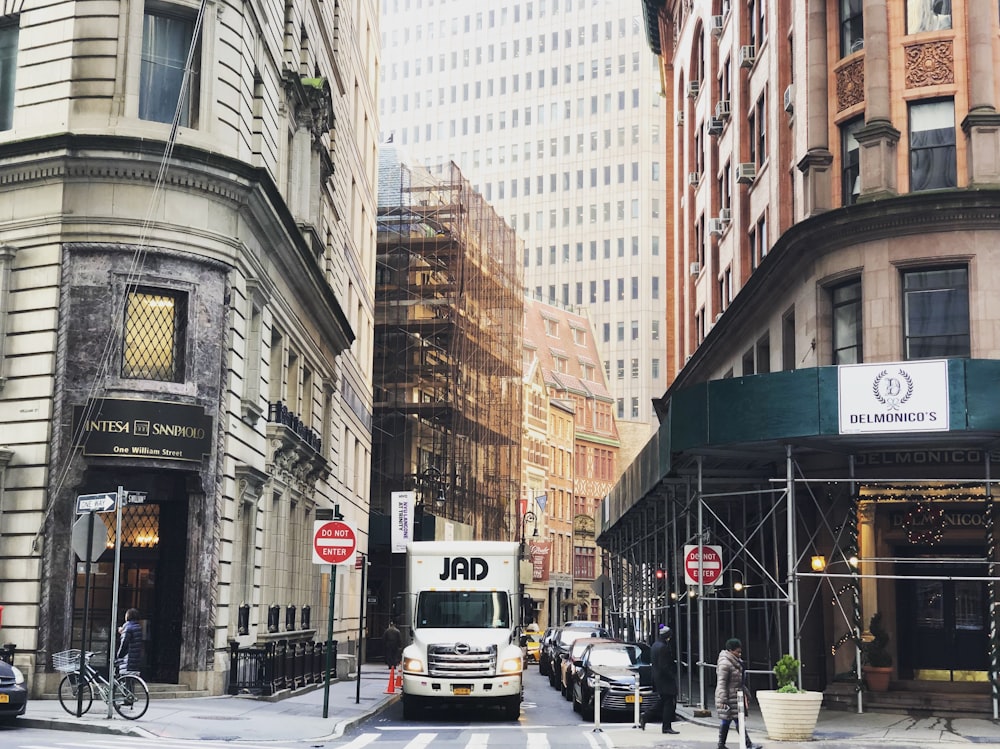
478, 741
537, 741
421, 740
363, 740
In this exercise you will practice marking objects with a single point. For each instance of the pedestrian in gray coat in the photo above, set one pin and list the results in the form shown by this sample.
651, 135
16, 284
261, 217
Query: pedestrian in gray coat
730, 680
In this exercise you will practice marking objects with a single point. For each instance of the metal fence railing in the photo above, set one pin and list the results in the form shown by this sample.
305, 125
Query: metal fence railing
280, 665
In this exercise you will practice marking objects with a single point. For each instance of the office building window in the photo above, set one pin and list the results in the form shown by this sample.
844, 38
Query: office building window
9, 33
655, 369
932, 145
166, 38
850, 163
847, 323
927, 15
635, 369
788, 340
621, 331
620, 369
852, 27
155, 335
936, 312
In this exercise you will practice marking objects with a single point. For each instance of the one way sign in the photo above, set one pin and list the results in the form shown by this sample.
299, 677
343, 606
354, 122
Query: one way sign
96, 502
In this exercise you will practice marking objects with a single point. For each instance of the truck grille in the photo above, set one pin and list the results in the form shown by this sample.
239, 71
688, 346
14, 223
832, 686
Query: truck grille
459, 660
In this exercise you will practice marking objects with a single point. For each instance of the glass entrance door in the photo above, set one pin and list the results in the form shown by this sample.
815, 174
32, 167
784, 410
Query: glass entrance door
943, 633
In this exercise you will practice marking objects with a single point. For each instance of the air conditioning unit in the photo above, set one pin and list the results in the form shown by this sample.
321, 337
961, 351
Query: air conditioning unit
722, 109
718, 317
746, 173
695, 268
694, 179
693, 88
789, 96
715, 226
715, 25
714, 126
748, 55
725, 215
679, 117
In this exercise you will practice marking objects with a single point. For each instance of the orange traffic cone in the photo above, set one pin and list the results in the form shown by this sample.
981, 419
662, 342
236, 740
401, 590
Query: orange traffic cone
399, 679
391, 689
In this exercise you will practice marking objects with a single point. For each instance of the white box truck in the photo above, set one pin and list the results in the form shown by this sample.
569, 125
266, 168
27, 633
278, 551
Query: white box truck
464, 603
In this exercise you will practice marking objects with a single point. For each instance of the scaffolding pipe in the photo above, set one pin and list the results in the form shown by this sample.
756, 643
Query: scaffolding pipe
991, 555
791, 557
701, 598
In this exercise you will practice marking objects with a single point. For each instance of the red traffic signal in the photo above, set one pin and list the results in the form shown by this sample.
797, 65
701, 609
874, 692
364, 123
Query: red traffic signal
661, 574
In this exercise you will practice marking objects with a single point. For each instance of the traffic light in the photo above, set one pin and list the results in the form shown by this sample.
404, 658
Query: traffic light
661, 574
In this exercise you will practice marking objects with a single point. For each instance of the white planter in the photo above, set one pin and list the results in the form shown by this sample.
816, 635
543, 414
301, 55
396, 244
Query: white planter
789, 717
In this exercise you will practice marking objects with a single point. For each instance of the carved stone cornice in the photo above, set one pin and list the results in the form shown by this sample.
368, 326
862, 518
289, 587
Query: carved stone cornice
249, 482
293, 460
929, 63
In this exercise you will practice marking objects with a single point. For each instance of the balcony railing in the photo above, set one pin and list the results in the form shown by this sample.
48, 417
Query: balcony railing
279, 413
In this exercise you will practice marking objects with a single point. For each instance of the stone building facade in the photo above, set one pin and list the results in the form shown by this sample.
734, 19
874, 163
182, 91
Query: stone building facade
186, 307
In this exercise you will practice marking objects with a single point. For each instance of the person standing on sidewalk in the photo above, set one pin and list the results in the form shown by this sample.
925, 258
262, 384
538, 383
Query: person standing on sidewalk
392, 645
130, 644
730, 675
664, 681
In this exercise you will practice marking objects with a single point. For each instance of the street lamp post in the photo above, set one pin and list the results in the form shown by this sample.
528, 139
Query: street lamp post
525, 555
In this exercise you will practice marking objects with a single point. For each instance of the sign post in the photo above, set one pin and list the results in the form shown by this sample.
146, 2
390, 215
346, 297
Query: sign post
334, 543
703, 565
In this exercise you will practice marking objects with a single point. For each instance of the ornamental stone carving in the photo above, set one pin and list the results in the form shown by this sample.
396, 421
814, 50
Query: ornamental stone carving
930, 63
851, 84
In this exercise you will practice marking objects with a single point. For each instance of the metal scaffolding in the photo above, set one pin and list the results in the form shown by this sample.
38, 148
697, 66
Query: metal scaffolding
447, 351
775, 520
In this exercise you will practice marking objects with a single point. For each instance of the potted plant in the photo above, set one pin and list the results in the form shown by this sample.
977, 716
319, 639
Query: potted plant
876, 660
789, 713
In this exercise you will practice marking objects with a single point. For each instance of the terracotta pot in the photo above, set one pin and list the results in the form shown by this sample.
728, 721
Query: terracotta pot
789, 716
877, 677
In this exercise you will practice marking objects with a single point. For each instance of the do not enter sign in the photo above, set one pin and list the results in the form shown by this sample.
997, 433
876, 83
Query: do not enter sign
703, 564
334, 542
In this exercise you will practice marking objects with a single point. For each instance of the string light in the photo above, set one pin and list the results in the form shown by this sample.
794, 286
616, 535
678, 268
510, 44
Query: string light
924, 524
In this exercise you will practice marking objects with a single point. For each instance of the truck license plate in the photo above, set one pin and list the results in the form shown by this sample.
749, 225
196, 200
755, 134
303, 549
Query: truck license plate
461, 690
630, 698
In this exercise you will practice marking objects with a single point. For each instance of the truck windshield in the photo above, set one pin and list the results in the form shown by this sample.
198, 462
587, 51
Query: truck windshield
463, 609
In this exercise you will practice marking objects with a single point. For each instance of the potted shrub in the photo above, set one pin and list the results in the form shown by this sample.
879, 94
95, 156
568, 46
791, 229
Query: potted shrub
876, 660
789, 713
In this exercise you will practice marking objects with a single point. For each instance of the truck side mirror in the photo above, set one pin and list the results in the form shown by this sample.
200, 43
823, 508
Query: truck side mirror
524, 641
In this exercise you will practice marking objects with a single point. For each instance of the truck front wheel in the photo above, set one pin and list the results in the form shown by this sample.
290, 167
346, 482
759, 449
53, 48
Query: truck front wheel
511, 708
411, 707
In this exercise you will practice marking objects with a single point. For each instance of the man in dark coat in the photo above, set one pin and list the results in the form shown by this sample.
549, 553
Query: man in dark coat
664, 681
392, 645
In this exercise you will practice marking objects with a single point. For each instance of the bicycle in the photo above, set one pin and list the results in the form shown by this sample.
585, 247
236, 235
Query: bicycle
131, 693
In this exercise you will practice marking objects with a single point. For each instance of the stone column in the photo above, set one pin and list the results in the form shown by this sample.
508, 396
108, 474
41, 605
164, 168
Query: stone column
866, 551
815, 165
878, 138
982, 124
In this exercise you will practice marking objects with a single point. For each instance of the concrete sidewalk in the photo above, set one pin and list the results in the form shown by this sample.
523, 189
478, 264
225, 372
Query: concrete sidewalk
297, 717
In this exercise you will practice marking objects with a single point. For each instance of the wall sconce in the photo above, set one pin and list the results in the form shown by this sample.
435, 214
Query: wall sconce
289, 618
306, 616
818, 563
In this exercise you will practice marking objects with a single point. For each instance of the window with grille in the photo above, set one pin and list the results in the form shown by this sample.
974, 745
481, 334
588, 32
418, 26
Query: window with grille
154, 335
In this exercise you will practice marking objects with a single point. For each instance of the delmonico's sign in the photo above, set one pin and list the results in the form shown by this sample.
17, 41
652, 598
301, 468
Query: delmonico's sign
116, 427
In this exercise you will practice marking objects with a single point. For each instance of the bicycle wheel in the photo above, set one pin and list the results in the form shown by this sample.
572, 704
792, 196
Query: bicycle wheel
70, 693
131, 697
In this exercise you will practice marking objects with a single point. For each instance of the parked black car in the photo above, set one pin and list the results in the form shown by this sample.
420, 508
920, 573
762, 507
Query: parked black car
13, 691
545, 661
562, 640
616, 665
